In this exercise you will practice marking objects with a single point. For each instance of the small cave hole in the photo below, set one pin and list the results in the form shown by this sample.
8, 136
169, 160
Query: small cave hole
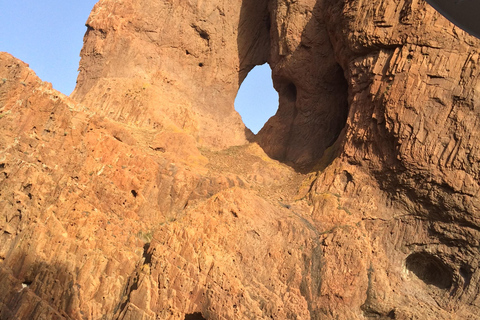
290, 92
26, 284
430, 269
194, 316
391, 314
256, 99
204, 35
201, 64
134, 193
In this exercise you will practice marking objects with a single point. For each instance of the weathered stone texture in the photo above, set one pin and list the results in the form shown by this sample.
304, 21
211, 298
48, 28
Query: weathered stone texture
140, 198
143, 61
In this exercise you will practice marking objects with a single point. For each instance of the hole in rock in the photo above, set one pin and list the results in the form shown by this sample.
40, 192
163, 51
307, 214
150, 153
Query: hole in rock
256, 99
27, 283
391, 314
204, 35
430, 269
311, 117
134, 193
290, 92
194, 316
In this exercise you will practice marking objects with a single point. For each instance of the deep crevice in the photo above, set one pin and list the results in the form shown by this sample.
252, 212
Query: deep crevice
201, 32
130, 286
146, 254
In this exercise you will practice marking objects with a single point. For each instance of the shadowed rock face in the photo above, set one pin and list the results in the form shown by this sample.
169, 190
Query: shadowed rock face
140, 198
312, 89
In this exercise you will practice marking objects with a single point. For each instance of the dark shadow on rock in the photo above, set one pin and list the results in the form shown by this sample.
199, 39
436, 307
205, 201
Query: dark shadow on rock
194, 316
253, 38
430, 269
312, 89
34, 290
249, 135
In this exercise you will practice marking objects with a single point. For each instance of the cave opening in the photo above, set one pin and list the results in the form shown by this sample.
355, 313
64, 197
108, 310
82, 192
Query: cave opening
430, 269
256, 99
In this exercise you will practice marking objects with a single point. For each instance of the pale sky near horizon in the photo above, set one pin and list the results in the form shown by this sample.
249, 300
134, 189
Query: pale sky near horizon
48, 35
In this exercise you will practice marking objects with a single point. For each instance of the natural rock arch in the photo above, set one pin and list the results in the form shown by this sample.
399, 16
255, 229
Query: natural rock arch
172, 70
231, 233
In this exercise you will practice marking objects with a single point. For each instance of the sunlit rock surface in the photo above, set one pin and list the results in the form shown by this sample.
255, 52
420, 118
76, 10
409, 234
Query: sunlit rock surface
140, 197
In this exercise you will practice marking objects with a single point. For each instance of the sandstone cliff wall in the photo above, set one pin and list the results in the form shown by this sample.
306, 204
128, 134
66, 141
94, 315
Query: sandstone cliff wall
140, 198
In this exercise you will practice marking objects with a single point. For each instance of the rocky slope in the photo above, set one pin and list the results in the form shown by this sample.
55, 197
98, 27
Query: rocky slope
140, 198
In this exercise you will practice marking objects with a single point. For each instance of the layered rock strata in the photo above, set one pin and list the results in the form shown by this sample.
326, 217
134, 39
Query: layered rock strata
140, 198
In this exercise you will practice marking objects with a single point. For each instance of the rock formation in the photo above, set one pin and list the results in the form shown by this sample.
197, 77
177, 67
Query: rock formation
140, 197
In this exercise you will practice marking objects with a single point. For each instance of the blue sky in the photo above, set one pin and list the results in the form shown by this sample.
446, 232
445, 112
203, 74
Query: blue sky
256, 100
48, 35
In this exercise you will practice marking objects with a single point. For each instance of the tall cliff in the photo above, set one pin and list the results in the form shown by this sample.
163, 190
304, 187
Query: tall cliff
141, 197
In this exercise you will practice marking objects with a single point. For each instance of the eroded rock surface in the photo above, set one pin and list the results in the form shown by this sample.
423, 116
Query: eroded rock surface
140, 198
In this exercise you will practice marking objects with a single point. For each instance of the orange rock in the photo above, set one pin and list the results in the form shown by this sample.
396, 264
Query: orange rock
140, 198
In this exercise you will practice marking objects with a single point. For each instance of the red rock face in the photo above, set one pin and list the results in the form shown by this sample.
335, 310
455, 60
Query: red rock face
140, 198
313, 92
143, 62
